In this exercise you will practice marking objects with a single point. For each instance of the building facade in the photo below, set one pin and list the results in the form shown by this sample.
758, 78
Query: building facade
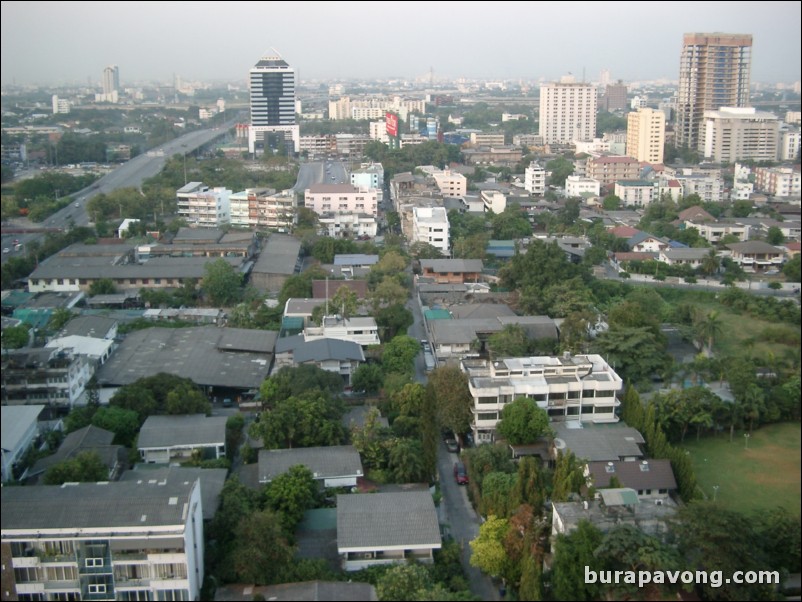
570, 388
203, 207
341, 198
430, 225
714, 72
272, 90
778, 181
736, 134
264, 208
577, 186
608, 170
52, 376
567, 111
646, 135
535, 179
137, 540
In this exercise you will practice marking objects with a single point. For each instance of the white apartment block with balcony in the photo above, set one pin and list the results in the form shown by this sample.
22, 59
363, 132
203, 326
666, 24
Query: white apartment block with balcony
637, 193
318, 146
577, 186
567, 111
362, 331
646, 135
369, 175
710, 188
347, 225
136, 540
733, 134
487, 138
263, 208
378, 131
451, 184
430, 225
780, 182
789, 145
570, 388
60, 105
203, 207
341, 198
535, 179
596, 146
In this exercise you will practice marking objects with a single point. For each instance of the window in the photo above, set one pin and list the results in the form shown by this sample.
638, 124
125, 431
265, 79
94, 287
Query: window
96, 588
93, 562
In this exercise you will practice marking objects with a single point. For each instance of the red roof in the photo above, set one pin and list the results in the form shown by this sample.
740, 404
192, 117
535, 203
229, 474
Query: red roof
623, 231
634, 256
615, 160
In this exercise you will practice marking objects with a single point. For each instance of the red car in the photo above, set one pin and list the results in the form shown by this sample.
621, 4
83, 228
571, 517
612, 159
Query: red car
460, 474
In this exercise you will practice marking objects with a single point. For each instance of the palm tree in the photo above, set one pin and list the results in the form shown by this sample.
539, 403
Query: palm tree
708, 328
710, 264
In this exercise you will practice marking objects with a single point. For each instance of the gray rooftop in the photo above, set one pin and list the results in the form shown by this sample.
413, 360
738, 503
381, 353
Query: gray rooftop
193, 353
88, 438
92, 268
211, 481
355, 259
89, 326
244, 339
197, 235
754, 247
16, 421
355, 416
382, 520
603, 443
321, 350
79, 506
279, 255
689, 253
650, 518
442, 266
480, 310
324, 462
647, 474
184, 429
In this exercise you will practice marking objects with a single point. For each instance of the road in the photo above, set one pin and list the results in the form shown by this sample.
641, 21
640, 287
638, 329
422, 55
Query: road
320, 172
455, 509
129, 174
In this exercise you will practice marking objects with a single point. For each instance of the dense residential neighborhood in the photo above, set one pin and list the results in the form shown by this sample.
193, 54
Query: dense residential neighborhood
441, 340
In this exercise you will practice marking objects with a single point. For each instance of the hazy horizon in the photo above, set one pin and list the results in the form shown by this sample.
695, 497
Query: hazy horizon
53, 43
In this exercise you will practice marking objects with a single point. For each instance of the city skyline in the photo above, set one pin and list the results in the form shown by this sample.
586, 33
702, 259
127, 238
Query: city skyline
53, 43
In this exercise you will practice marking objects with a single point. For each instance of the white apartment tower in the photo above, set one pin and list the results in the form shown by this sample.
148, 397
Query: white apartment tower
535, 179
567, 111
646, 135
272, 88
714, 72
430, 225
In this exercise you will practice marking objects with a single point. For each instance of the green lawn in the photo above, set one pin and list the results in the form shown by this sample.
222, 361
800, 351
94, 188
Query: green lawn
757, 474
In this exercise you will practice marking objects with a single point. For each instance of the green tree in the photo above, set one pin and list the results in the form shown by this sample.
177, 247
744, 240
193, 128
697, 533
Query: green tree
15, 337
123, 423
511, 341
388, 293
234, 431
792, 270
312, 419
611, 202
103, 286
344, 301
499, 494
59, 319
560, 169
636, 353
222, 283
84, 467
399, 355
487, 550
291, 494
404, 582
454, 401
368, 378
523, 422
573, 554
393, 320
708, 327
568, 477
260, 552
406, 461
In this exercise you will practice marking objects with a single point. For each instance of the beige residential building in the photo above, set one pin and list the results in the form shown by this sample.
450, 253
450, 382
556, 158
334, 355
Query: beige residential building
341, 198
451, 184
646, 135
263, 207
740, 134
608, 170
487, 138
567, 111
778, 181
714, 72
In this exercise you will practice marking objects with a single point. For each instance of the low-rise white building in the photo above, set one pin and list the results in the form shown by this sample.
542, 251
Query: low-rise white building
450, 183
264, 208
44, 375
778, 181
570, 388
535, 179
577, 186
363, 331
347, 225
638, 193
740, 133
203, 207
430, 225
20, 427
341, 198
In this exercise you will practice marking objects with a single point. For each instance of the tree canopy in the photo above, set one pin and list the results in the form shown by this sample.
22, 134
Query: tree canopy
523, 422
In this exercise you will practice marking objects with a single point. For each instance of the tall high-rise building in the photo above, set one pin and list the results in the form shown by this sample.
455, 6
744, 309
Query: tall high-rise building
111, 79
646, 135
615, 97
567, 111
714, 73
272, 84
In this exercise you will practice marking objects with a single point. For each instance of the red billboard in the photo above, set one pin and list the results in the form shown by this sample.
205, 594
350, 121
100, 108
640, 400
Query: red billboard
391, 119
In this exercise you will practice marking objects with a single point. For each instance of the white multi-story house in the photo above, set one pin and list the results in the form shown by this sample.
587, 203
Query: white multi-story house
378, 131
203, 207
347, 225
570, 388
369, 175
451, 184
535, 179
264, 208
638, 193
710, 188
430, 225
577, 186
362, 331
341, 198
778, 181
789, 145
46, 375
135, 540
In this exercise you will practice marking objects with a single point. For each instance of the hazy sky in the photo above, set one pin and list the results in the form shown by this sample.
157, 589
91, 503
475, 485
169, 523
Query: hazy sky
60, 42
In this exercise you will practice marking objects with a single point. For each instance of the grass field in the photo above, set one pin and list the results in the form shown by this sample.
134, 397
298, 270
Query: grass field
758, 474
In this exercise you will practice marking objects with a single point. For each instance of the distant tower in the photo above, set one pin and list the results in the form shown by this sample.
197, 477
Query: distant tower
714, 72
604, 78
111, 79
272, 84
567, 111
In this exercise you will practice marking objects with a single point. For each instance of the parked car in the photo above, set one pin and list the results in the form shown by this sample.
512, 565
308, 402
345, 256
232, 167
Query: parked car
452, 445
460, 474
